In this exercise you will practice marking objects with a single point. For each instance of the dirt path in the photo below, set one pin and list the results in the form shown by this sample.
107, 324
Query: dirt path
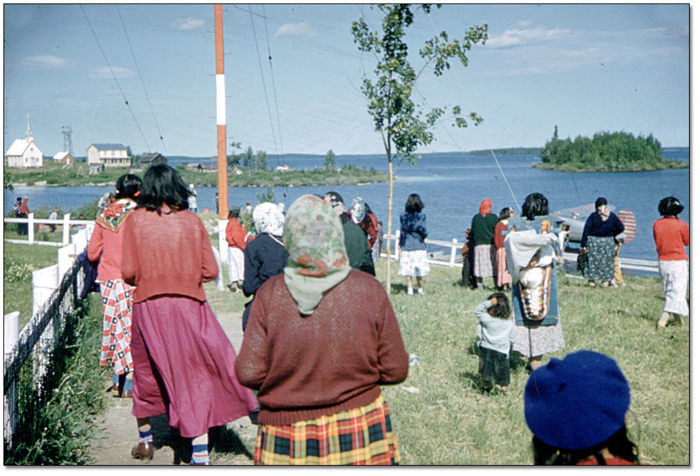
232, 445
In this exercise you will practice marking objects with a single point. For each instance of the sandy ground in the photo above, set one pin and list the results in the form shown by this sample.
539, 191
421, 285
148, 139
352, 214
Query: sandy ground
232, 444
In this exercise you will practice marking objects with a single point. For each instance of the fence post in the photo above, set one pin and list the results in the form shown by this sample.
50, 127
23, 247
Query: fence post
30, 228
44, 283
11, 397
453, 253
66, 229
396, 245
65, 262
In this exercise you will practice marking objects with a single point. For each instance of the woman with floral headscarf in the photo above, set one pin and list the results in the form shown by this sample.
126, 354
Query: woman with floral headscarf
483, 228
265, 256
362, 215
598, 242
317, 355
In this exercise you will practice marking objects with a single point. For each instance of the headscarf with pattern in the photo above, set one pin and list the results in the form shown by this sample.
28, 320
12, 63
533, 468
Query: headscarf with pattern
315, 243
357, 211
268, 219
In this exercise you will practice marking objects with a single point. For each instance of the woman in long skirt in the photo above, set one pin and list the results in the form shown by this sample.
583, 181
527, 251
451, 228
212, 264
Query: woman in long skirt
483, 228
321, 340
183, 359
503, 277
598, 242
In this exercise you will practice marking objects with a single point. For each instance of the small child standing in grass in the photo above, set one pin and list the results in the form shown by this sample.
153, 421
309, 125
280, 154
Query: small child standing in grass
496, 332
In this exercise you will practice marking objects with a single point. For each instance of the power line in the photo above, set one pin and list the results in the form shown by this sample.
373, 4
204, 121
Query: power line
274, 88
115, 77
141, 78
262, 75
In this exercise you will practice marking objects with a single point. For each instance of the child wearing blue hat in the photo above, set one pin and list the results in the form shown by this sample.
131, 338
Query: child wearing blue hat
576, 409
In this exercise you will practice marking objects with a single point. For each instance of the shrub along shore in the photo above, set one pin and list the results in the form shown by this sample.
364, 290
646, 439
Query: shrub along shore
439, 413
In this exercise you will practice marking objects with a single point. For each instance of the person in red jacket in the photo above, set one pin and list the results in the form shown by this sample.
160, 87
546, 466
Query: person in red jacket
106, 247
672, 236
236, 237
183, 361
321, 340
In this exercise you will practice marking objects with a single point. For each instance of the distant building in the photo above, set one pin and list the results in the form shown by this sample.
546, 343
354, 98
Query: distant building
108, 155
64, 158
152, 159
24, 153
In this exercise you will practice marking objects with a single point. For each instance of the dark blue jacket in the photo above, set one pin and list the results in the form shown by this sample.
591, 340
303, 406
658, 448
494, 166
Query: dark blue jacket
597, 227
414, 230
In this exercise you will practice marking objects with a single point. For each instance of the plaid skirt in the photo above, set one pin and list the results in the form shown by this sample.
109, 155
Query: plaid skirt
116, 326
485, 261
361, 436
494, 366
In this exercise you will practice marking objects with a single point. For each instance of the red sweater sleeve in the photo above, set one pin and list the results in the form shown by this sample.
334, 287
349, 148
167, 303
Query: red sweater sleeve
393, 358
129, 255
210, 268
96, 244
235, 234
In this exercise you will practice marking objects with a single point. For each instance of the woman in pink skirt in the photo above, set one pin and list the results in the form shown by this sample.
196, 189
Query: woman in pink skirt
503, 277
183, 359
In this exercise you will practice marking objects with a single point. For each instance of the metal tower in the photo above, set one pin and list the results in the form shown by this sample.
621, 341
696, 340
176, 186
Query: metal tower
67, 140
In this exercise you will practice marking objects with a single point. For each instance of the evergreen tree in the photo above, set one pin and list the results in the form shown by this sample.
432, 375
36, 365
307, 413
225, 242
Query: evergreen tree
329, 161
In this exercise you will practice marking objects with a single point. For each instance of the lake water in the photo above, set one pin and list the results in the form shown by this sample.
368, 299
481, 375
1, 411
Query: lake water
452, 187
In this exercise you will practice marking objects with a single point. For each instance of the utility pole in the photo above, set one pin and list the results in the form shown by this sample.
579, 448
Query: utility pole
222, 165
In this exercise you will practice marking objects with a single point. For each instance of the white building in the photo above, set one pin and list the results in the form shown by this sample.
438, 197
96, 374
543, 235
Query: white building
108, 155
24, 152
63, 158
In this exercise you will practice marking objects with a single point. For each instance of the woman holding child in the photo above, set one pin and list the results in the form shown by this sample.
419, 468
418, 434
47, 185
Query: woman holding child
531, 253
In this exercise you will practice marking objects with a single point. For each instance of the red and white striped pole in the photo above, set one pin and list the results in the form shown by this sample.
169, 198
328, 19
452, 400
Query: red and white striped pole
221, 114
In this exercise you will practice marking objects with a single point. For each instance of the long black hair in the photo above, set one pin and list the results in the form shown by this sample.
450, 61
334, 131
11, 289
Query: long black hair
619, 445
505, 213
502, 308
128, 186
536, 205
414, 203
162, 185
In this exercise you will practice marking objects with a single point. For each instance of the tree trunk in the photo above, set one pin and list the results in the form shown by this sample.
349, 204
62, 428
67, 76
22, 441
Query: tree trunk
388, 228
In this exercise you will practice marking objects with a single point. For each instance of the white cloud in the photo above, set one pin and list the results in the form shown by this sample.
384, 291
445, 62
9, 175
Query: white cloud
524, 23
105, 72
296, 29
522, 37
46, 62
189, 24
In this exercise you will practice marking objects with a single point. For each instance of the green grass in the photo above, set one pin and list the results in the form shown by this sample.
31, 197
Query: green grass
18, 263
449, 422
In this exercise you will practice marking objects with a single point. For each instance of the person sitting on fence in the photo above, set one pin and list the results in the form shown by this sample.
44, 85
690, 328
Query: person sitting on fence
106, 247
183, 361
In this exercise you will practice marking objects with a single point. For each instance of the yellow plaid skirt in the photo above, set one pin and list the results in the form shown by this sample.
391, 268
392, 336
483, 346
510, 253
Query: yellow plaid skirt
361, 436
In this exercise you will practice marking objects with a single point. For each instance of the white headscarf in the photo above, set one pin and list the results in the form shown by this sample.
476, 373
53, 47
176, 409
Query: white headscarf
268, 219
357, 212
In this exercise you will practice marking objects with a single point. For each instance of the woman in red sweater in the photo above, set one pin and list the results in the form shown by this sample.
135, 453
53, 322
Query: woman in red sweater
320, 341
672, 236
106, 247
183, 361
236, 237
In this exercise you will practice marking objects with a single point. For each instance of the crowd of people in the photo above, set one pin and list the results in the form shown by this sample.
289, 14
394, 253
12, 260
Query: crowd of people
314, 356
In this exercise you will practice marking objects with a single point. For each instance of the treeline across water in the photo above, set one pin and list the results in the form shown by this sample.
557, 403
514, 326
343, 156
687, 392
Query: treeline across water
606, 152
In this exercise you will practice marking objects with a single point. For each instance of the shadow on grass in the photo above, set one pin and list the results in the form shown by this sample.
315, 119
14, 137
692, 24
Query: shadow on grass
221, 439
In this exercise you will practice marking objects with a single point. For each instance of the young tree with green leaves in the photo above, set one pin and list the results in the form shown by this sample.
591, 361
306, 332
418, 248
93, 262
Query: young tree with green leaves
402, 123
260, 160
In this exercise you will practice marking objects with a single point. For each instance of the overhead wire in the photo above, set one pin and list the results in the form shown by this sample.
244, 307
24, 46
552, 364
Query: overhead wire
262, 75
493, 154
274, 88
142, 82
115, 78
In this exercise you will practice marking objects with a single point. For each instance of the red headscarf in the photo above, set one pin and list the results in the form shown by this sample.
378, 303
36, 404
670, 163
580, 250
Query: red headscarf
485, 207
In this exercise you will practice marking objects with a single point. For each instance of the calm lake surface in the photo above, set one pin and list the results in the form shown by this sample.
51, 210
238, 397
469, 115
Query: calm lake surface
452, 187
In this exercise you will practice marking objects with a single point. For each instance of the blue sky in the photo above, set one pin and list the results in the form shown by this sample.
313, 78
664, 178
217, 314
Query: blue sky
583, 68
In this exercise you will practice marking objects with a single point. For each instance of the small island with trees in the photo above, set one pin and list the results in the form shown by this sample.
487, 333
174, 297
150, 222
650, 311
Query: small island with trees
606, 152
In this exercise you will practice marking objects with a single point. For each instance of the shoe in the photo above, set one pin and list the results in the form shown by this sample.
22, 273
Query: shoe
623, 284
420, 292
613, 284
591, 284
127, 394
660, 325
409, 292
143, 451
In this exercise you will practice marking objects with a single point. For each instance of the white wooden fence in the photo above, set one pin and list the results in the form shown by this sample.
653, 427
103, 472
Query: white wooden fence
32, 222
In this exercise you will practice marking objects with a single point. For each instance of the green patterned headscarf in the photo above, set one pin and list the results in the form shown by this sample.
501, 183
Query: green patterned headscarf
315, 243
